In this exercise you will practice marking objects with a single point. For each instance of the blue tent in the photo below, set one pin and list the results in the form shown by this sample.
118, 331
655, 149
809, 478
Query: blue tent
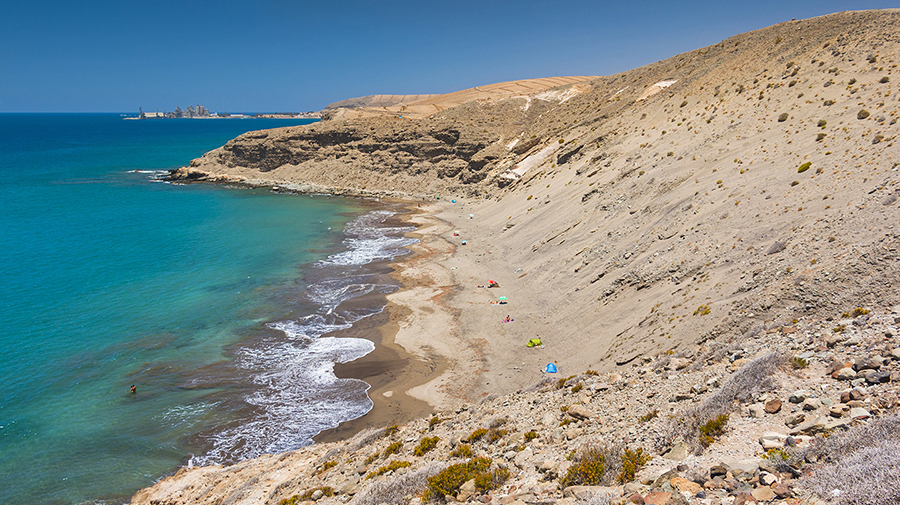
551, 368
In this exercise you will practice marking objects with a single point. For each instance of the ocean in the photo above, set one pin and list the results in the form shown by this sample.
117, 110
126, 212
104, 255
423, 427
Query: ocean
218, 304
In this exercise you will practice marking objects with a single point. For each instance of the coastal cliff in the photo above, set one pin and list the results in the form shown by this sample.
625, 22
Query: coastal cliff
718, 205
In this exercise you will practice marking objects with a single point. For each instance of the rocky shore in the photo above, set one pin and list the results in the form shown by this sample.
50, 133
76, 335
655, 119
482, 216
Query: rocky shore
784, 397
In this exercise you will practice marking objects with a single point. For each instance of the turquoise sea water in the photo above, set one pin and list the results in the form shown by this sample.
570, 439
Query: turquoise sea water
211, 301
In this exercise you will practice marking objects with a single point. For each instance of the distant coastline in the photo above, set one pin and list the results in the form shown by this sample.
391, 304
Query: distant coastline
201, 112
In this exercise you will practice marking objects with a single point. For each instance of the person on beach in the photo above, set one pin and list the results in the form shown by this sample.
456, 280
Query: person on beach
133, 389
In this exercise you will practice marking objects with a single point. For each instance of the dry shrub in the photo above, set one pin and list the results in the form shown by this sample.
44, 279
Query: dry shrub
594, 465
835, 448
397, 489
861, 466
752, 379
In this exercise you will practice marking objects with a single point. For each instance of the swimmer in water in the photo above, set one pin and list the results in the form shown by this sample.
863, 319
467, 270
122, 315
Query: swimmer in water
133, 389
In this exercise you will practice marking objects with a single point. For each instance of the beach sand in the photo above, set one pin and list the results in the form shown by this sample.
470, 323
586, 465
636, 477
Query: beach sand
441, 341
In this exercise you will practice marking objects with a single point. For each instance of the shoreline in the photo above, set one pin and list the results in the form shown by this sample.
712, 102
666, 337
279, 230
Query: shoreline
403, 369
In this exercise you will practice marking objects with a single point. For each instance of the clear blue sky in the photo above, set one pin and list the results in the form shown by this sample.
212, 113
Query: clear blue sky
280, 55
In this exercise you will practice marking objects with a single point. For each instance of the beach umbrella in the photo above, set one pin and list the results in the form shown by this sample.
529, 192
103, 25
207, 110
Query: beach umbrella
502, 298
551, 368
490, 281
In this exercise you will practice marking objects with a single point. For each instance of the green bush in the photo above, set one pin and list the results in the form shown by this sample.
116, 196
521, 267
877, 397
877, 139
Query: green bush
390, 430
804, 167
328, 465
476, 435
577, 387
798, 363
484, 482
858, 311
632, 461
712, 430
394, 465
494, 435
651, 414
392, 449
862, 114
448, 481
372, 457
326, 491
822, 123
587, 469
820, 136
434, 422
425, 445
530, 435
461, 451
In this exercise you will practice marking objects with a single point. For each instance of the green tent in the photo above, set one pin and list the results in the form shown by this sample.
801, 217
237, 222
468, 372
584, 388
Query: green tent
535, 342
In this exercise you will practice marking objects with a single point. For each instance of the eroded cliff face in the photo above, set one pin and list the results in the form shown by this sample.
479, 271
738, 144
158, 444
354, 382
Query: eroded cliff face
376, 154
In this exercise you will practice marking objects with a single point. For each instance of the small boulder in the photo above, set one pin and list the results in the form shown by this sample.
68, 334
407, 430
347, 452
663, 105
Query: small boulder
859, 413
782, 490
579, 412
684, 485
757, 410
763, 493
844, 374
743, 498
880, 377
466, 491
657, 498
718, 471
772, 440
794, 419
773, 406
810, 404
679, 450
798, 396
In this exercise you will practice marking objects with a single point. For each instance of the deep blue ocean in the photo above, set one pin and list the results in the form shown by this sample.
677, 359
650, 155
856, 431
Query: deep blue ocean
217, 303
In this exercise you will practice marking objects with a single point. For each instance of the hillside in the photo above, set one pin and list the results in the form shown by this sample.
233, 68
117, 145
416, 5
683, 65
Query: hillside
681, 206
376, 101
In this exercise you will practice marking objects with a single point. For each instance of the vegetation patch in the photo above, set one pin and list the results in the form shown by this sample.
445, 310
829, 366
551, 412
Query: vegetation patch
632, 461
651, 414
448, 481
712, 430
425, 445
394, 465
461, 451
392, 449
804, 167
858, 311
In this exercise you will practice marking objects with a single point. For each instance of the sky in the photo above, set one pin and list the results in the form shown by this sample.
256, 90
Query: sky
291, 56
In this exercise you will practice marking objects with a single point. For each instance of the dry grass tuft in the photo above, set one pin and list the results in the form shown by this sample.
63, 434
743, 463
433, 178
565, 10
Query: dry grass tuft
754, 378
397, 489
861, 466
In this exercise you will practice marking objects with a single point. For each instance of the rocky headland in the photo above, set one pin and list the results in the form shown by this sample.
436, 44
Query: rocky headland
710, 235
